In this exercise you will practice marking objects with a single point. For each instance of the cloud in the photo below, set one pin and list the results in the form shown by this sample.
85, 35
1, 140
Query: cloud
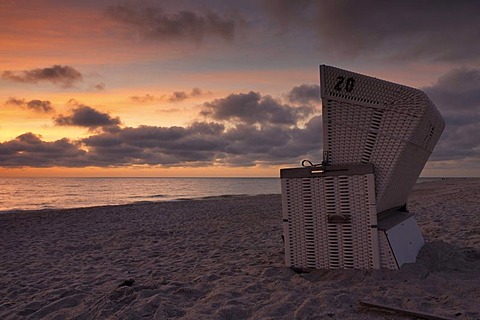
273, 145
201, 143
43, 106
16, 102
142, 99
457, 96
457, 90
170, 110
254, 108
253, 130
269, 139
168, 146
85, 116
28, 150
62, 76
100, 86
176, 96
305, 94
426, 30
156, 23
196, 92
40, 106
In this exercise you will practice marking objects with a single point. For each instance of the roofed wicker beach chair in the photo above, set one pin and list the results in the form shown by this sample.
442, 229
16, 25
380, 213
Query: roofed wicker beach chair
350, 211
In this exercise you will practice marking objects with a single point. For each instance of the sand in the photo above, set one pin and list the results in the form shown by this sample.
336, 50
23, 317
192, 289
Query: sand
223, 259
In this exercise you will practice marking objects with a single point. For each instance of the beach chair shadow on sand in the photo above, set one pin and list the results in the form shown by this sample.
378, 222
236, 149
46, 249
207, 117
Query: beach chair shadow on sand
349, 212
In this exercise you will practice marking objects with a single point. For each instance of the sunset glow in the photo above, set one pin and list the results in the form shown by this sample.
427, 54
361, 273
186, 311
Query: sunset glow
206, 88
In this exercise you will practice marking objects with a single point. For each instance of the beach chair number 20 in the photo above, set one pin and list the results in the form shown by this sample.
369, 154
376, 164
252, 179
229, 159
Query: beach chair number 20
342, 84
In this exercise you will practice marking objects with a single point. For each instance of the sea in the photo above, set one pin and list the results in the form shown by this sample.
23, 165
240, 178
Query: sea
60, 193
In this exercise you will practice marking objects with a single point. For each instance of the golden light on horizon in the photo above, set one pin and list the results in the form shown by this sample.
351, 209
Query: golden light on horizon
139, 171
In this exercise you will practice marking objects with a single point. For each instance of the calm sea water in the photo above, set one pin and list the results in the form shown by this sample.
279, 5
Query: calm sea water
48, 193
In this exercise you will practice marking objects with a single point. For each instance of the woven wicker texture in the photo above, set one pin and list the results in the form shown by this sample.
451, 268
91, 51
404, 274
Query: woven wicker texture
387, 259
367, 120
328, 222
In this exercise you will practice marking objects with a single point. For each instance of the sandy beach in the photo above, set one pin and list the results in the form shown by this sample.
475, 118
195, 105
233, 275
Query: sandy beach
223, 259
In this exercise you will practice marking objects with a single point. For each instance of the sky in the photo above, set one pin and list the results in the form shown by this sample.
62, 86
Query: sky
218, 88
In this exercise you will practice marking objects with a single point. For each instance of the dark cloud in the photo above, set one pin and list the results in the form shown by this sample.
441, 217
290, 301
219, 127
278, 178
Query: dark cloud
170, 146
305, 94
62, 76
410, 29
254, 108
43, 106
85, 116
271, 144
40, 106
28, 150
201, 143
457, 96
155, 23
458, 90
